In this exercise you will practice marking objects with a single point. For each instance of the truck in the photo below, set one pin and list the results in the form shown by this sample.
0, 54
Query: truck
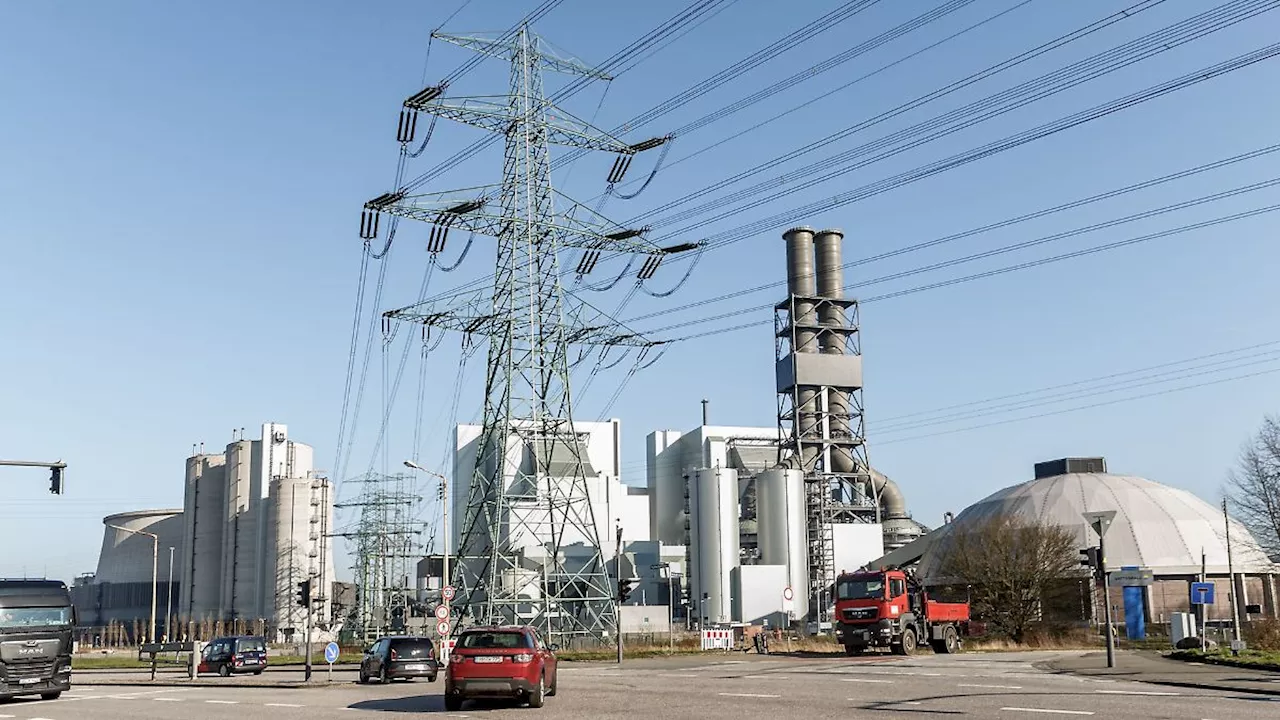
37, 621
889, 608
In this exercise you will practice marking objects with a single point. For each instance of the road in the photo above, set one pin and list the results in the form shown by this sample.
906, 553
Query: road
1001, 686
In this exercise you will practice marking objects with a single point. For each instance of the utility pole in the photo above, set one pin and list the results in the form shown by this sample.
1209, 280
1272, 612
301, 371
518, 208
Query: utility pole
1231, 582
155, 567
168, 602
617, 616
1204, 622
307, 675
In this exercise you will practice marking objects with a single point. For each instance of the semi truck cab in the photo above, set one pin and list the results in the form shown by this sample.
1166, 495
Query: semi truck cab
888, 608
36, 625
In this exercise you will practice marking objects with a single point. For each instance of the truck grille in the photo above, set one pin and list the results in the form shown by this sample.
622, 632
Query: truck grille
34, 669
860, 613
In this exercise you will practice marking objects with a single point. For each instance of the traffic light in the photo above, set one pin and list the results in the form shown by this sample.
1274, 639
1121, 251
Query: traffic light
304, 593
625, 588
55, 480
1092, 559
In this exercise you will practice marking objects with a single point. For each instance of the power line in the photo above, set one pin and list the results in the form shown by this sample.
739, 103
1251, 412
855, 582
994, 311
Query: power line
1084, 407
998, 271
1071, 205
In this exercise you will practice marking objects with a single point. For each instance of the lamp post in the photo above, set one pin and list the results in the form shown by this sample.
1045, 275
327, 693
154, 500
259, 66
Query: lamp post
444, 532
1100, 521
665, 567
155, 564
168, 601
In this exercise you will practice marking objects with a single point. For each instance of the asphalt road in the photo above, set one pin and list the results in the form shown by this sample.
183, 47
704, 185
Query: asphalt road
1004, 686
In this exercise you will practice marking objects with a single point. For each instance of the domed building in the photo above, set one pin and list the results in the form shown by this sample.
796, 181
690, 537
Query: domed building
1156, 527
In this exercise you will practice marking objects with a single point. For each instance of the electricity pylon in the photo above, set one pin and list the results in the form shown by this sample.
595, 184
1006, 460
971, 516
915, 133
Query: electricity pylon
529, 549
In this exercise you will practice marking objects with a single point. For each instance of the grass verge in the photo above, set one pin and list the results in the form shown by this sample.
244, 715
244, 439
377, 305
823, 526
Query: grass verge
1252, 659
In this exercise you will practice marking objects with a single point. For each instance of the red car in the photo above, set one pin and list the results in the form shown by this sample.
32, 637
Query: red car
500, 662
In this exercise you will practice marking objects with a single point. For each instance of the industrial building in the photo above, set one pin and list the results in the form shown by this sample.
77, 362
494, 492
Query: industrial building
255, 523
1169, 532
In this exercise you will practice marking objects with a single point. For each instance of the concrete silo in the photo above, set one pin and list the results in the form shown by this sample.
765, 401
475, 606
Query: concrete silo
301, 513
204, 508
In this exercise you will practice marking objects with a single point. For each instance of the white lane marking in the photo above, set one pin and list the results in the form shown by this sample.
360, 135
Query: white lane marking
168, 699
1047, 710
866, 680
683, 675
993, 687
1134, 692
7, 716
284, 705
750, 695
223, 702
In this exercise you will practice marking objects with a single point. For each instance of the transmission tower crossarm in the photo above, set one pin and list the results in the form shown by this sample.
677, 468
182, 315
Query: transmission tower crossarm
470, 210
496, 115
506, 49
472, 313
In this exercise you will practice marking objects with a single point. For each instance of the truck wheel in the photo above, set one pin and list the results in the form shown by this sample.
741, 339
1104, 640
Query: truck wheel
907, 645
51, 695
852, 650
950, 640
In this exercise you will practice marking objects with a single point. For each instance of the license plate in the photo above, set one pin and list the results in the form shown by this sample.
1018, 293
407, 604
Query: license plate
417, 666
489, 659
29, 681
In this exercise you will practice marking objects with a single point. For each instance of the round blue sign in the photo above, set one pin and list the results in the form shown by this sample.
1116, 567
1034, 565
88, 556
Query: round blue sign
331, 653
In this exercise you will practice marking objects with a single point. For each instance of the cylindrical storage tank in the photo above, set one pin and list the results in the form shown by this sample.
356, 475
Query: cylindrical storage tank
780, 509
713, 538
204, 510
239, 535
289, 538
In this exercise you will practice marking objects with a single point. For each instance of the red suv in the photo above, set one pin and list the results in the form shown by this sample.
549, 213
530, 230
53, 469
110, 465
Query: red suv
509, 661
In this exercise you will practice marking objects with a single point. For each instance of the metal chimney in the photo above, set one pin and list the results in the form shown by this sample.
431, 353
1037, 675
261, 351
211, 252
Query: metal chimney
830, 270
801, 286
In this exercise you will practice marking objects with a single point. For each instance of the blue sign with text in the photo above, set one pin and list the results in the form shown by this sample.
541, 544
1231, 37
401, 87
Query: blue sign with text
1201, 593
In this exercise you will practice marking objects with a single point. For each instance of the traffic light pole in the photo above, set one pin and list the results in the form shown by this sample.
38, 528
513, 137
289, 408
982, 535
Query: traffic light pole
307, 676
1106, 600
55, 471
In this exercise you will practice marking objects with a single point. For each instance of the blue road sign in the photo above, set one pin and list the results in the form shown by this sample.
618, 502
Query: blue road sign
1201, 593
331, 653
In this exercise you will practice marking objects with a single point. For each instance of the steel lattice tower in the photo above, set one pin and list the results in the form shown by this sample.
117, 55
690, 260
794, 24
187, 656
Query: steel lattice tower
528, 500
386, 543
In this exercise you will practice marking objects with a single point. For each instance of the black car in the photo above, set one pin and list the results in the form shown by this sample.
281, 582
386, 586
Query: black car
400, 656
239, 654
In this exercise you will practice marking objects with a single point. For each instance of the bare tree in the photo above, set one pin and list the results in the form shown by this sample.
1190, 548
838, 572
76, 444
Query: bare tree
1254, 486
1015, 570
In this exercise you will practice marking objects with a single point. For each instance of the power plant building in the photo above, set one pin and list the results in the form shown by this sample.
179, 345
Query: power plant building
254, 523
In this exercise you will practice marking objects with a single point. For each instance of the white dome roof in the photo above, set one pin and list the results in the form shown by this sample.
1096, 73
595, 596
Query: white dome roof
1156, 526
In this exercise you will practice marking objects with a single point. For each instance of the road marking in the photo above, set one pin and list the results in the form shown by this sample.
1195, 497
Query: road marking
1047, 710
750, 695
1134, 692
223, 702
683, 675
168, 699
866, 680
993, 687
284, 705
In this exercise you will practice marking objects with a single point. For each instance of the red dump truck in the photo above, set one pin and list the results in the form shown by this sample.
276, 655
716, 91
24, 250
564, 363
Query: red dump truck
888, 608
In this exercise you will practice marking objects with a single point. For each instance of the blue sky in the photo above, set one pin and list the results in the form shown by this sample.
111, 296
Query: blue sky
181, 184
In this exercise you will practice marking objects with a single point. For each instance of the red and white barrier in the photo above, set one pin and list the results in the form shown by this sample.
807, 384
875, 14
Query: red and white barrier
717, 639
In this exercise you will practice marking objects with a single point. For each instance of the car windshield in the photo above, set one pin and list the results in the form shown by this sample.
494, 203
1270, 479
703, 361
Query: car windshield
860, 590
499, 640
35, 617
411, 648
250, 645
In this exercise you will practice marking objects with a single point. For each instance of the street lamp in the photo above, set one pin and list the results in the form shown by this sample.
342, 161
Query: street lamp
1100, 521
155, 562
168, 602
444, 531
665, 567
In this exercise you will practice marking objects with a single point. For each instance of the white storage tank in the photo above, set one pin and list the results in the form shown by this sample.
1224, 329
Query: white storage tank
239, 535
713, 541
781, 533
292, 548
204, 510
